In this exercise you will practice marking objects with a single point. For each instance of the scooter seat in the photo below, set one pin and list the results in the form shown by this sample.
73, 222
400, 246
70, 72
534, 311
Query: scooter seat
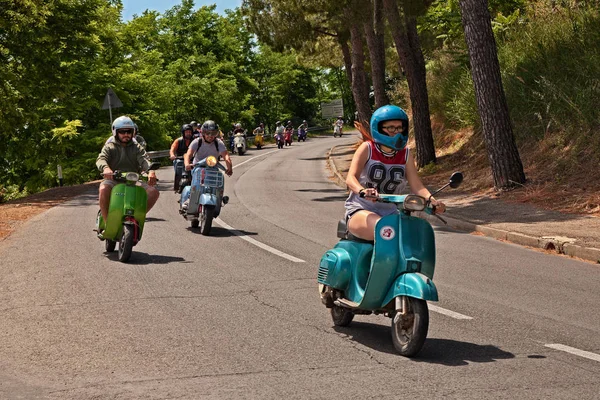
342, 233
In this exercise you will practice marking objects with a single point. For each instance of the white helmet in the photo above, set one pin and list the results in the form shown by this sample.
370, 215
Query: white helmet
122, 122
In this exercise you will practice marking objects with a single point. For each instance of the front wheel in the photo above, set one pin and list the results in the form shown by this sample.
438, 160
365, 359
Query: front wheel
341, 316
206, 220
409, 331
110, 245
176, 182
126, 243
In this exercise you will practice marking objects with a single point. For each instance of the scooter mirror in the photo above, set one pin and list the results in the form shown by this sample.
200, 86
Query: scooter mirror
154, 165
456, 179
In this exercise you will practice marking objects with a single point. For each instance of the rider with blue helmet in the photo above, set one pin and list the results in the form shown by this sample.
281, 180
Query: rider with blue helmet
384, 165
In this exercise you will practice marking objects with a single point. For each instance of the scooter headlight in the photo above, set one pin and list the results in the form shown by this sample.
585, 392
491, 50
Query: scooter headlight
414, 203
132, 177
211, 161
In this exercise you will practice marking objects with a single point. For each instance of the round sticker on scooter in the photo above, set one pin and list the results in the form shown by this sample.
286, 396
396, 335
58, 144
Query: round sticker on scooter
387, 232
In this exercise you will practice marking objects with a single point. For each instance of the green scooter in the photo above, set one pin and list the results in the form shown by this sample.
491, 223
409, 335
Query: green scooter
393, 275
126, 213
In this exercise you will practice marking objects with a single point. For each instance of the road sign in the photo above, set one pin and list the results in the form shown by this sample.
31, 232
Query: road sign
111, 100
332, 109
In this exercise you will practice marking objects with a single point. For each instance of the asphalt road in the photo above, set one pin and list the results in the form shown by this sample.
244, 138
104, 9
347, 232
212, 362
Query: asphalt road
237, 314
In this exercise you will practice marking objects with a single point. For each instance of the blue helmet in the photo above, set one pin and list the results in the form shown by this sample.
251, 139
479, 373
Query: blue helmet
388, 113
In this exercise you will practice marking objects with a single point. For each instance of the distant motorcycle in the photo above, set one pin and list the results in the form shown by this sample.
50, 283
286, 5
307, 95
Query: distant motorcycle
279, 140
259, 140
302, 133
337, 130
287, 137
239, 143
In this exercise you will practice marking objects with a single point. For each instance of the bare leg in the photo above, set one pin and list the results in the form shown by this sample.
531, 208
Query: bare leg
104, 199
362, 224
153, 194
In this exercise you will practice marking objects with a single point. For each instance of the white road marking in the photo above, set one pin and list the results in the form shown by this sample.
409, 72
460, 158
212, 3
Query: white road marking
448, 313
250, 159
573, 350
257, 243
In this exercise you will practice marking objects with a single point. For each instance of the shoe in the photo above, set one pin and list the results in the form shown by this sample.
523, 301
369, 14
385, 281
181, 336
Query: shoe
225, 199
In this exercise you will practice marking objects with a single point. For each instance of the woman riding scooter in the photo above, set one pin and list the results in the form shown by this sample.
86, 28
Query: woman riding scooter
384, 155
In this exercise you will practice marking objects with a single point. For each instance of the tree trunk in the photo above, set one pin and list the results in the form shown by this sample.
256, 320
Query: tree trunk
503, 154
375, 43
411, 58
360, 89
343, 40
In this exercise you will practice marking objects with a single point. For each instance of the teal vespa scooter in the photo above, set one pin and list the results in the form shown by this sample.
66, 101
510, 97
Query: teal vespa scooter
391, 276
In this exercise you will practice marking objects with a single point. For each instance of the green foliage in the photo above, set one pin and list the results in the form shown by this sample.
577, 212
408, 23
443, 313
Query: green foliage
58, 58
550, 66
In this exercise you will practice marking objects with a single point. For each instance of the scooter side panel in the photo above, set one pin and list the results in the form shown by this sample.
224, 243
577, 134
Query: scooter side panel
346, 267
116, 211
384, 262
412, 285
417, 243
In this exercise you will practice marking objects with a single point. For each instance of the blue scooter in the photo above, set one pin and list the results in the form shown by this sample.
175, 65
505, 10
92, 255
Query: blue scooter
202, 198
391, 276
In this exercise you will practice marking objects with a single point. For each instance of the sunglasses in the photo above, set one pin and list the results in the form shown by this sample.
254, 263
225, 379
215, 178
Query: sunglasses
392, 128
213, 134
125, 131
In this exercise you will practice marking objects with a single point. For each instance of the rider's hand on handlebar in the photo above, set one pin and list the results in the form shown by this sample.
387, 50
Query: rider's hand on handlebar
151, 178
107, 173
172, 157
370, 194
438, 206
189, 167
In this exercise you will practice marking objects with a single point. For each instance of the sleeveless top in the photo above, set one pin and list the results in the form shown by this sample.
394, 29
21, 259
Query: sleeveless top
386, 174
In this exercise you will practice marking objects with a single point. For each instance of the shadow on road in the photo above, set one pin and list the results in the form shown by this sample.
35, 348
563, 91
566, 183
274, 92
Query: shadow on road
455, 353
217, 231
313, 159
139, 258
435, 351
331, 198
320, 190
152, 219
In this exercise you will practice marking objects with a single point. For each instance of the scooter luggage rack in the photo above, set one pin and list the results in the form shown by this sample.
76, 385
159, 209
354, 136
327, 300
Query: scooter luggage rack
213, 178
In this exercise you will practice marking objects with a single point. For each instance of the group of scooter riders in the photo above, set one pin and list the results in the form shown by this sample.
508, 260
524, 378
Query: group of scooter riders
123, 151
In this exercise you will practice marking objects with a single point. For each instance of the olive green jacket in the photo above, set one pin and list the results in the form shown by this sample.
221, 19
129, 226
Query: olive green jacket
129, 158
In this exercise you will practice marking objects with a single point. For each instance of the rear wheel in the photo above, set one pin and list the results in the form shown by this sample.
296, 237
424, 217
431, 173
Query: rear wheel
341, 316
206, 219
409, 331
126, 243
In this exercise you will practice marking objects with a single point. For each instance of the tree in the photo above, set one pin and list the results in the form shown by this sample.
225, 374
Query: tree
406, 39
360, 88
507, 169
374, 32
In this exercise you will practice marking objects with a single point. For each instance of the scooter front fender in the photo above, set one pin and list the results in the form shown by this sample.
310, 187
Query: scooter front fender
207, 199
412, 284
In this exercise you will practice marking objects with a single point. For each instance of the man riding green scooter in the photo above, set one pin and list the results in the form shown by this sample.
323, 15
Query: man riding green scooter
124, 155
